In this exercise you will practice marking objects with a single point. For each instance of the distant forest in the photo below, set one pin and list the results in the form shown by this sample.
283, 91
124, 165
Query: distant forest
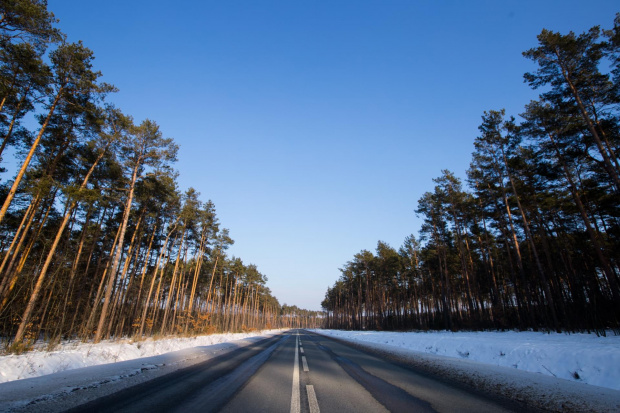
533, 240
96, 239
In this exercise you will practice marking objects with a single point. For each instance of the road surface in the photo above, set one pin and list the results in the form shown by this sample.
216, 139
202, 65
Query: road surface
297, 371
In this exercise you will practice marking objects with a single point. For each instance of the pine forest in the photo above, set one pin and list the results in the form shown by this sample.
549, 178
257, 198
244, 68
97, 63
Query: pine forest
531, 239
97, 241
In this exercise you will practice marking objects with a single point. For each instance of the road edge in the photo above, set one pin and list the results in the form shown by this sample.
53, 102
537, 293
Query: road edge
536, 391
70, 388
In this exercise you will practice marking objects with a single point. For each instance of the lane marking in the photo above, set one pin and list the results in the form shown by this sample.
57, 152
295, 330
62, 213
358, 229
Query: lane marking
305, 363
301, 349
312, 401
296, 396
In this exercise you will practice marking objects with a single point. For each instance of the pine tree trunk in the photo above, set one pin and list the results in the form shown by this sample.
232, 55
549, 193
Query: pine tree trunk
118, 296
590, 124
211, 283
33, 148
528, 236
148, 297
117, 255
9, 133
35, 293
173, 282
23, 228
597, 244
102, 283
149, 250
198, 258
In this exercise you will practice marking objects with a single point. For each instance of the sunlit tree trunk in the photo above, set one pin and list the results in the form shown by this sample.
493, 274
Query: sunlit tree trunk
37, 288
33, 148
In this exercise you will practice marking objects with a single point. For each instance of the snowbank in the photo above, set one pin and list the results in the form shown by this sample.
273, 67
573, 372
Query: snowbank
583, 358
74, 355
496, 363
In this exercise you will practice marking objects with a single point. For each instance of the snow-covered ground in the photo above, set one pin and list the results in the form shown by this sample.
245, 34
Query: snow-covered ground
74, 355
76, 373
523, 366
578, 372
583, 358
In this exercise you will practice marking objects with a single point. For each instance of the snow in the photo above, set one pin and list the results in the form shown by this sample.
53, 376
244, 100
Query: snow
495, 363
75, 373
583, 358
573, 372
74, 355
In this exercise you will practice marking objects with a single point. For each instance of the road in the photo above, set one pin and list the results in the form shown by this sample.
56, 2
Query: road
297, 371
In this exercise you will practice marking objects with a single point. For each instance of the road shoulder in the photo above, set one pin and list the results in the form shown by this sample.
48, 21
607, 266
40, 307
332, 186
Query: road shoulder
63, 390
535, 390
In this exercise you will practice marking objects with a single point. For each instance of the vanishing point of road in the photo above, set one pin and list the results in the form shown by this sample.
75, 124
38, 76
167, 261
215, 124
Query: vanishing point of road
298, 371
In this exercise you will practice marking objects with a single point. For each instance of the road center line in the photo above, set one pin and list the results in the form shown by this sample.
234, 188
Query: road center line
296, 397
305, 363
313, 403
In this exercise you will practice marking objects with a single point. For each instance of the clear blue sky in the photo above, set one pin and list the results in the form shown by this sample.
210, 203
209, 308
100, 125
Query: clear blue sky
315, 126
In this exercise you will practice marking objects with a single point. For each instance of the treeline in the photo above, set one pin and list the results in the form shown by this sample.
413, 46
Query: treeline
295, 317
96, 239
533, 241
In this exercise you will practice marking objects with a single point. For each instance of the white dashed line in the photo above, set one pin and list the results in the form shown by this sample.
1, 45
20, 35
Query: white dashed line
314, 404
296, 396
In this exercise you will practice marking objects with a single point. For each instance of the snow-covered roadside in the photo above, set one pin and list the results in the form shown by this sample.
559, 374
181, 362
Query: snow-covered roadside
584, 358
74, 355
469, 358
143, 361
479, 369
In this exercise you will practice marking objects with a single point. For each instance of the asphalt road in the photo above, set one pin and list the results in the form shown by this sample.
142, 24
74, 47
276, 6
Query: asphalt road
298, 371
